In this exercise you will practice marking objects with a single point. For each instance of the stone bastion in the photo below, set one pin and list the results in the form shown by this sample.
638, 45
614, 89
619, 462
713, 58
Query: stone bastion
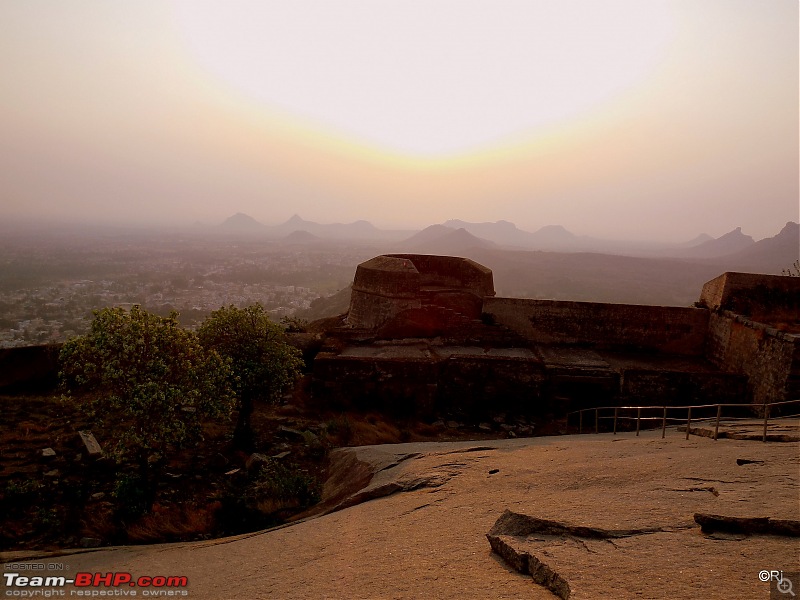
388, 285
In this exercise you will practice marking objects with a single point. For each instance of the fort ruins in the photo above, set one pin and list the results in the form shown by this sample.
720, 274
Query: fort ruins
426, 334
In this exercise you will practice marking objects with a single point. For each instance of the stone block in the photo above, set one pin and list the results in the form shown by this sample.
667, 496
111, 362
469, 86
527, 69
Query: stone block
93, 448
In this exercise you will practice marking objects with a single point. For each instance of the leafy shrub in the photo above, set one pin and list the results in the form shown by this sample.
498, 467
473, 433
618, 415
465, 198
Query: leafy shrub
262, 363
47, 519
148, 380
276, 487
267, 496
294, 324
132, 494
18, 491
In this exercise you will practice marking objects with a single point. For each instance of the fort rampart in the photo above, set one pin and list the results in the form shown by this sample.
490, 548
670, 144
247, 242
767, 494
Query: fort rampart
768, 357
426, 334
569, 353
767, 298
669, 329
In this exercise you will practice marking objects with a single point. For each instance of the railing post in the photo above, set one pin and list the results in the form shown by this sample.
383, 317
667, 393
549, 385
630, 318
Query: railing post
664, 424
638, 420
580, 421
616, 411
716, 427
766, 420
688, 422
597, 420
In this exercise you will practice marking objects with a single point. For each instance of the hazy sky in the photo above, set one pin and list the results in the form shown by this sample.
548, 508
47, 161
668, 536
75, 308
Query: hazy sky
633, 119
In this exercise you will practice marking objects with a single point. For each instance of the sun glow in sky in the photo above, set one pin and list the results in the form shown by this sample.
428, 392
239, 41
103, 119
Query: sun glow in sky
428, 78
637, 119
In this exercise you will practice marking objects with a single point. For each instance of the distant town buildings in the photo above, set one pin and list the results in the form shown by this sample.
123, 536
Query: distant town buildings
38, 314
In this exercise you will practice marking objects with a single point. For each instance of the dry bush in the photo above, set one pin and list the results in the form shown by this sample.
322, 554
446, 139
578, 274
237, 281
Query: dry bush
174, 523
99, 522
376, 430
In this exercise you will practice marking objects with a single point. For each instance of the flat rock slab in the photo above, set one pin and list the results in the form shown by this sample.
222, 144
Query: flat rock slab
680, 564
420, 528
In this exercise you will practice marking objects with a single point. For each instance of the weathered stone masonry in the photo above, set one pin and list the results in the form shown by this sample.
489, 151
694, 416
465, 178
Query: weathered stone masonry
752, 343
426, 333
388, 285
667, 329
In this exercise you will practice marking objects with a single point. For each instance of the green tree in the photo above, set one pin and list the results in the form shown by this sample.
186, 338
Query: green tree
263, 363
148, 382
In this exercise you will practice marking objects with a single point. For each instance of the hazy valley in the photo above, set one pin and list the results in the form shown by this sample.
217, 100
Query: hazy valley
52, 278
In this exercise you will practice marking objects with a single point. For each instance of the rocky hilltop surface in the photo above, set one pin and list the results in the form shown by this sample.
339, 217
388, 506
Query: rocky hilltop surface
411, 521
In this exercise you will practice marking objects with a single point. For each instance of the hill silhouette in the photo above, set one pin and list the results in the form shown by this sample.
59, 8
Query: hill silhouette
242, 222
356, 231
440, 239
505, 233
771, 254
731, 242
696, 241
300, 236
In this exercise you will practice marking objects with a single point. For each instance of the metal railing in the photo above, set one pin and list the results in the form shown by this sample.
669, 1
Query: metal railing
617, 416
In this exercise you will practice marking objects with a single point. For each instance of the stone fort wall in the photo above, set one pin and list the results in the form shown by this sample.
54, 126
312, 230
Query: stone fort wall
732, 355
669, 329
762, 298
768, 357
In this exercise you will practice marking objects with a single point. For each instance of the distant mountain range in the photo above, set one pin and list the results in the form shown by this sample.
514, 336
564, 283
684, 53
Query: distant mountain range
241, 223
504, 233
595, 276
731, 242
732, 251
770, 255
